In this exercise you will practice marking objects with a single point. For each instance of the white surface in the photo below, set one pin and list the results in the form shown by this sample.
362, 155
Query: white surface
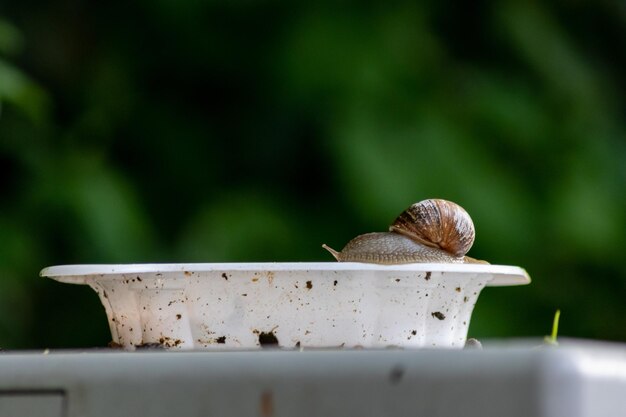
245, 305
574, 380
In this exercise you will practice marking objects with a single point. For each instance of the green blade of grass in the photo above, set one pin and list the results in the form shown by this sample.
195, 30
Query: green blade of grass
551, 340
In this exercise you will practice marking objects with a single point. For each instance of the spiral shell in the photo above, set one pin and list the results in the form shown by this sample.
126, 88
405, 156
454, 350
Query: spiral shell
439, 224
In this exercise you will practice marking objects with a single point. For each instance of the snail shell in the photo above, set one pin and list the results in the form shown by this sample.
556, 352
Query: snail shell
439, 224
433, 231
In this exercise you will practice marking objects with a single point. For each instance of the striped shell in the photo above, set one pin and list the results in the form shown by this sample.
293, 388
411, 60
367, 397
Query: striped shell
437, 223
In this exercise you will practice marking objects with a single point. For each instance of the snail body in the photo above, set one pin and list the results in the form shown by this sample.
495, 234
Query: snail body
388, 248
431, 231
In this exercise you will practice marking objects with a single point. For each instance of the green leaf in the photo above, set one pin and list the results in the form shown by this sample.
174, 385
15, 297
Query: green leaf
19, 90
11, 40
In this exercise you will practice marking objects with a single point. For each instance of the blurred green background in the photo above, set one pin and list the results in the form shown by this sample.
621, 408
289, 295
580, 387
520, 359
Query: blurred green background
181, 131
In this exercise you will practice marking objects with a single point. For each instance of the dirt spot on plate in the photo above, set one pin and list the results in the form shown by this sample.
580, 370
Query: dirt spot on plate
439, 315
268, 339
168, 342
149, 346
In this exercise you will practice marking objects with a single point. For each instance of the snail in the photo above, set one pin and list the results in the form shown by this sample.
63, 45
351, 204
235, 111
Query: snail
431, 231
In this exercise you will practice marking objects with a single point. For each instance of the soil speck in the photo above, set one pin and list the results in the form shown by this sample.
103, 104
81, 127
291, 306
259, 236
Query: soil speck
439, 315
427, 277
225, 276
309, 285
178, 317
221, 340
149, 346
268, 339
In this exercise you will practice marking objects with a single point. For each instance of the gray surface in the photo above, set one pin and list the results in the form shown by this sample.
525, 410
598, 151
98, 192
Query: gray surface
29, 403
575, 380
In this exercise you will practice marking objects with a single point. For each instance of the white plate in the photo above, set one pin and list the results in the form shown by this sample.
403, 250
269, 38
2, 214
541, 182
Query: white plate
248, 305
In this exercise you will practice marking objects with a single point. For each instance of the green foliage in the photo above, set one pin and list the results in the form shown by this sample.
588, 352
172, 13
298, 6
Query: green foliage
11, 40
256, 131
19, 90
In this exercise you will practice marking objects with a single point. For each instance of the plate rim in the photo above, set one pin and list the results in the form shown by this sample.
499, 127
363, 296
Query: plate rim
503, 275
